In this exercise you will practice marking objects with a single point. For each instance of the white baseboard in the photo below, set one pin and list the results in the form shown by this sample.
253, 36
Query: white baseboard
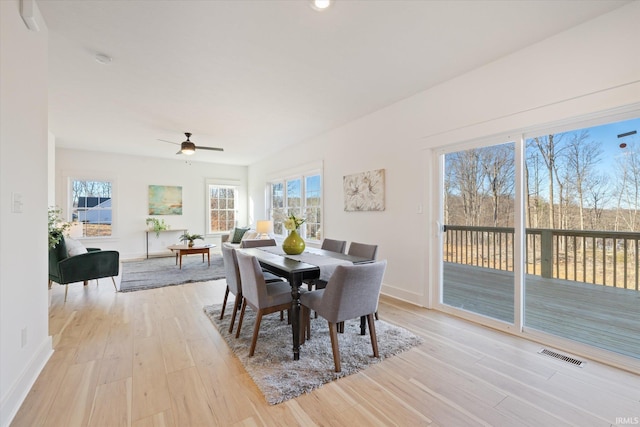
18, 392
401, 294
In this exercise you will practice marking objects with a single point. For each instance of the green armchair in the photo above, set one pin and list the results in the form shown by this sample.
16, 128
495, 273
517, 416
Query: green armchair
94, 264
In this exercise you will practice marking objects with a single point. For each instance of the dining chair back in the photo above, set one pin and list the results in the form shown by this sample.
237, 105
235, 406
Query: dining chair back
256, 294
234, 282
352, 291
363, 250
367, 251
257, 243
328, 245
334, 245
234, 285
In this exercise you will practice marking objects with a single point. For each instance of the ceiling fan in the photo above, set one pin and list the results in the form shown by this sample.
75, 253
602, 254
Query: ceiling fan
187, 147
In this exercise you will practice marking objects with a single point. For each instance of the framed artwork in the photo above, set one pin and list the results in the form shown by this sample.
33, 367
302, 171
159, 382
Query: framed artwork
165, 200
364, 191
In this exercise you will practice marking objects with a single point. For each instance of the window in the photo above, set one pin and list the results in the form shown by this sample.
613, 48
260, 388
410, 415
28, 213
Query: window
301, 196
313, 198
222, 204
91, 206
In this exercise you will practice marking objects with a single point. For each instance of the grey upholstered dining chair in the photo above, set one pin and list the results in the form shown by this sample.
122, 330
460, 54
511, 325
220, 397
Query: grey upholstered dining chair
256, 294
363, 250
334, 245
367, 251
328, 245
232, 275
257, 243
352, 291
234, 283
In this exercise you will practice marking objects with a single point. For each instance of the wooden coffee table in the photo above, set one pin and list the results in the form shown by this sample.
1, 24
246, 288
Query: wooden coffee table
182, 250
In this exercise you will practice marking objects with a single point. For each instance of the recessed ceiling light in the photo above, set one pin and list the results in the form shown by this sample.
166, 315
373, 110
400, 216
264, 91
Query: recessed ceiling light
103, 59
320, 4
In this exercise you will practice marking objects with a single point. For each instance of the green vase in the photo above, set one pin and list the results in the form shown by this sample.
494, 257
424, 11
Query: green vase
293, 244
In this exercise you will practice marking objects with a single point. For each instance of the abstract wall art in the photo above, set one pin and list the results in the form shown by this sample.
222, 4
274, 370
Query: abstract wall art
364, 191
165, 200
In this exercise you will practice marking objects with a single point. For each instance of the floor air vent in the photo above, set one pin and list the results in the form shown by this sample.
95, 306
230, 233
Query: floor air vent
562, 357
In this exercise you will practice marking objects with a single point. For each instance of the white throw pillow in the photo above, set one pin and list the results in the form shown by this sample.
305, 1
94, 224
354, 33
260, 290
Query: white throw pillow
74, 247
250, 235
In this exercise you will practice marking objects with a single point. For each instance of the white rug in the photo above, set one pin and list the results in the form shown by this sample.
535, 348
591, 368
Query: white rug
275, 372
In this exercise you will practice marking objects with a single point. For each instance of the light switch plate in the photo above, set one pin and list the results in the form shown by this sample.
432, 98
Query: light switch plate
16, 202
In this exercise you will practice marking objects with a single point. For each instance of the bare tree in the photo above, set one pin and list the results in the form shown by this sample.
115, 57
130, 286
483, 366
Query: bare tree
628, 189
499, 170
466, 182
533, 182
550, 147
583, 157
597, 196
562, 177
82, 188
447, 195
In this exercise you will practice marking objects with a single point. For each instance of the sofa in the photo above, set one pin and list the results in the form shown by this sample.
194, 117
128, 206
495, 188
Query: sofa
235, 237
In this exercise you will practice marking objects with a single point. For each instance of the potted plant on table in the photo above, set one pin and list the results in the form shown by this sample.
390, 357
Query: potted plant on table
157, 225
186, 237
293, 244
57, 227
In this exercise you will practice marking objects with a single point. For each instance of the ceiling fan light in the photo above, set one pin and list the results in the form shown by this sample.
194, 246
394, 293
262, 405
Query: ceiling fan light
188, 148
320, 5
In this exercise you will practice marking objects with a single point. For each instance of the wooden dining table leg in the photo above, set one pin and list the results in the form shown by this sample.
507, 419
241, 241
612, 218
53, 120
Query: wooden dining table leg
295, 281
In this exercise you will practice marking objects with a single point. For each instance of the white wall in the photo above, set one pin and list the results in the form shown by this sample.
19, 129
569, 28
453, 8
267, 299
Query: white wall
133, 175
25, 345
590, 68
51, 170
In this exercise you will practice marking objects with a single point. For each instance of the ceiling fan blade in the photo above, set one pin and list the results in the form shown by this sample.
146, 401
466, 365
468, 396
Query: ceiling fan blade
170, 142
209, 148
190, 146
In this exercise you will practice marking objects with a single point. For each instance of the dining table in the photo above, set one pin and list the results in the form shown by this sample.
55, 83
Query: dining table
313, 263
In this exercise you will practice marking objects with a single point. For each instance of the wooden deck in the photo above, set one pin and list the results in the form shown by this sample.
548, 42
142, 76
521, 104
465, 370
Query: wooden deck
600, 316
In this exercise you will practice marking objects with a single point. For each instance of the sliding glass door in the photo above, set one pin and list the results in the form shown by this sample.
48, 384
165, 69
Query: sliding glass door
583, 235
478, 233
577, 274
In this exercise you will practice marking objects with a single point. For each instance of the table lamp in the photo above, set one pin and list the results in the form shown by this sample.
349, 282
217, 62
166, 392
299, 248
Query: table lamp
264, 228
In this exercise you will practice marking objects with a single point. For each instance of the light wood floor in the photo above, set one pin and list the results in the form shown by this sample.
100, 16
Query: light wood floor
152, 358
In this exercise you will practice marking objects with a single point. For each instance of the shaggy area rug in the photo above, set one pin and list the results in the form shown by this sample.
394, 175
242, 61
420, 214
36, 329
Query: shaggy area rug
159, 272
275, 372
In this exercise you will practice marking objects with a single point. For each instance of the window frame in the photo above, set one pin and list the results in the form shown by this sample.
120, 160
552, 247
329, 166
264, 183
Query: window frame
69, 178
302, 174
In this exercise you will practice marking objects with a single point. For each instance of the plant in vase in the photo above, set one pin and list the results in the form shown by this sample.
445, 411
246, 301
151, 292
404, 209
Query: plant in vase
156, 225
293, 244
57, 227
186, 237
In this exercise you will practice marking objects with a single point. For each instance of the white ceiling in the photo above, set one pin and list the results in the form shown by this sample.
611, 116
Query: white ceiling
256, 76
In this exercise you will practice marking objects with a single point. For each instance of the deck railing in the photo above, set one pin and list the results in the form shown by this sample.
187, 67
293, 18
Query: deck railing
600, 257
